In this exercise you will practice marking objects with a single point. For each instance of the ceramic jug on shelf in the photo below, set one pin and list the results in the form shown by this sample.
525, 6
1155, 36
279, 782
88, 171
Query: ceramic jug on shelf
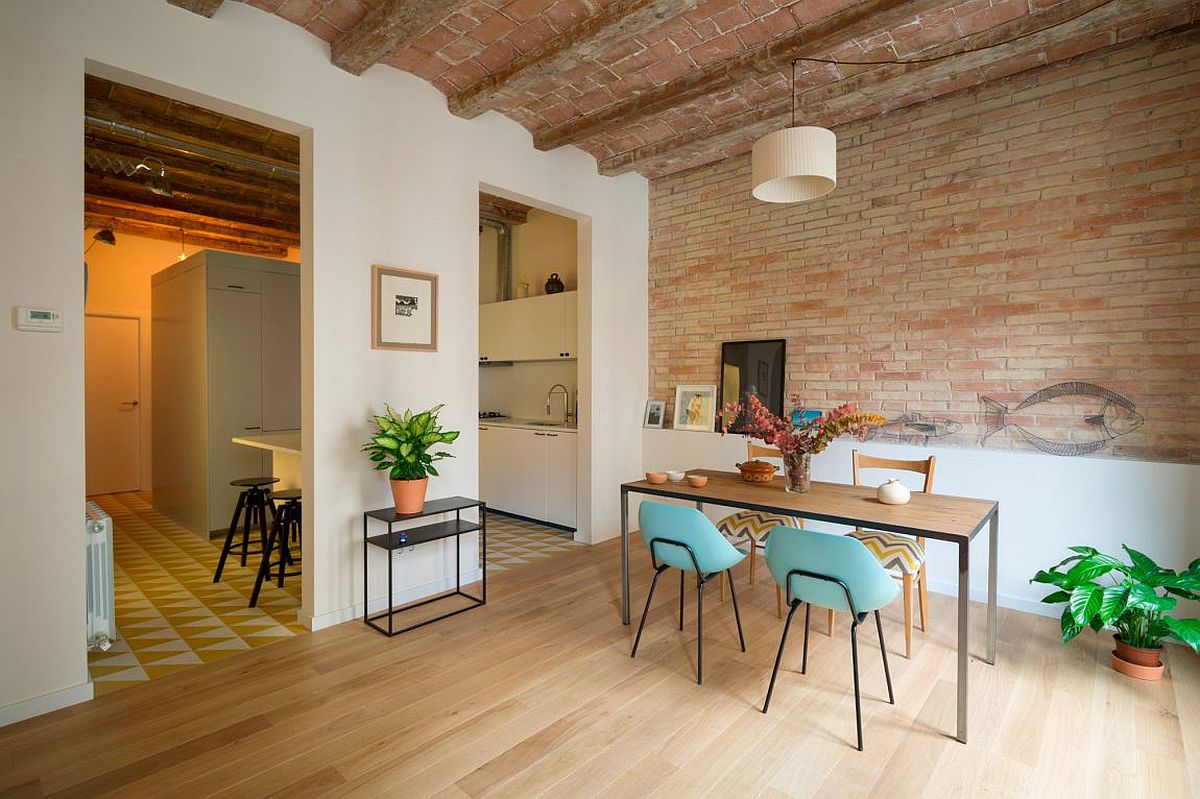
554, 285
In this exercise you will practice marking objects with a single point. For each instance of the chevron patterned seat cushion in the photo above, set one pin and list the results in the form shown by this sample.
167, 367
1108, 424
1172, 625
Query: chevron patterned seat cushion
893, 551
754, 524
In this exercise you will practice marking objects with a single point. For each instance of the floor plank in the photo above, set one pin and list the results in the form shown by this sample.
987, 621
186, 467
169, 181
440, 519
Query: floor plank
536, 695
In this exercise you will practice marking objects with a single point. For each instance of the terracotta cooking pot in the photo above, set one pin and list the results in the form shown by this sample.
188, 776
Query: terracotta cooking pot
757, 471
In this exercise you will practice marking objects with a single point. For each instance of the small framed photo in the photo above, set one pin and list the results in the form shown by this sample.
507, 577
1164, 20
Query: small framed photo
403, 309
696, 408
655, 411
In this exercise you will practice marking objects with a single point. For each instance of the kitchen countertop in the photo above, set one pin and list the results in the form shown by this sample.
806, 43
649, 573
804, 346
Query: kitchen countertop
287, 443
530, 424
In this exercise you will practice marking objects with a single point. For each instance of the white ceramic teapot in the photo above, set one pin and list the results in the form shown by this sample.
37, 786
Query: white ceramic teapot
893, 492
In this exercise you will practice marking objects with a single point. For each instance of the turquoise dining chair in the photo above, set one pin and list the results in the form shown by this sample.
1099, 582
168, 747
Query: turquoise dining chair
834, 572
683, 538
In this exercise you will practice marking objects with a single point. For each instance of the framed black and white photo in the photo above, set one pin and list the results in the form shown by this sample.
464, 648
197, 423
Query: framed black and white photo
695, 408
403, 309
655, 411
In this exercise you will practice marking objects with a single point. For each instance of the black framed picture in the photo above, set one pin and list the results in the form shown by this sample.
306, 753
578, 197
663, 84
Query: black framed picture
752, 368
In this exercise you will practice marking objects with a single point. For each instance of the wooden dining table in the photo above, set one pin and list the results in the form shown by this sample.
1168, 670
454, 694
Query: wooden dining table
954, 519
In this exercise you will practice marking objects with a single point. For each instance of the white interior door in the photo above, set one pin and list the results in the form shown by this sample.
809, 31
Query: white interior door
112, 404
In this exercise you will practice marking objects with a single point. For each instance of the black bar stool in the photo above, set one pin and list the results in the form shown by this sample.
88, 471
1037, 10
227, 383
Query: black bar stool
286, 526
255, 502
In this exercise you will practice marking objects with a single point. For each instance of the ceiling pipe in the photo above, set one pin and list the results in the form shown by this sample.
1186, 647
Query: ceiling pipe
195, 150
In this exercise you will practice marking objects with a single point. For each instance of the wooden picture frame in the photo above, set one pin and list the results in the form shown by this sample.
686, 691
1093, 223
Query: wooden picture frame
695, 408
410, 320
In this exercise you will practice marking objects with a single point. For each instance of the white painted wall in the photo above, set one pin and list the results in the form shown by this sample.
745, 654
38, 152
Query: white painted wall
392, 178
1046, 504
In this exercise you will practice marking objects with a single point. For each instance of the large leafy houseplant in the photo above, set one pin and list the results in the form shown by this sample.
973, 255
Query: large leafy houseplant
1135, 600
401, 445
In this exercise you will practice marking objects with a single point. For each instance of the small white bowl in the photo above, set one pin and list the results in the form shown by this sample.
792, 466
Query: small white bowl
675, 477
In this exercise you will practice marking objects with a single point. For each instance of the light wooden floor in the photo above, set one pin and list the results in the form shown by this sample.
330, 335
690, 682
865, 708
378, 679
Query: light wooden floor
536, 695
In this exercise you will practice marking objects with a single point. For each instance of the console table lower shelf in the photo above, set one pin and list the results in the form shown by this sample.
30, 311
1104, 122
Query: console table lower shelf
395, 539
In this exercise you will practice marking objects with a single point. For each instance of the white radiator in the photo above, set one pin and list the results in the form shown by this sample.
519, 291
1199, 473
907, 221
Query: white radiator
101, 608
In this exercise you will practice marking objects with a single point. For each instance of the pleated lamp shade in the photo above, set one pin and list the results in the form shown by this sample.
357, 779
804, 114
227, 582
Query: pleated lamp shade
794, 164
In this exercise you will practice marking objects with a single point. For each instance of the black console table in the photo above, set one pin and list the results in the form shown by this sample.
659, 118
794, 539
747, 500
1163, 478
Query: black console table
395, 539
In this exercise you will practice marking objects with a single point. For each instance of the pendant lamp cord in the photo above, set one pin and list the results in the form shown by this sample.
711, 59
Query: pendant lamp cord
794, 60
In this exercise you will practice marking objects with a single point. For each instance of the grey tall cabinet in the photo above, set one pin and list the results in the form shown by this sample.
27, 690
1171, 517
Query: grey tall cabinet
225, 343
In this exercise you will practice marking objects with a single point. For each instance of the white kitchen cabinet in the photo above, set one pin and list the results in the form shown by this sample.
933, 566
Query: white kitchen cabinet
529, 473
561, 451
529, 329
225, 362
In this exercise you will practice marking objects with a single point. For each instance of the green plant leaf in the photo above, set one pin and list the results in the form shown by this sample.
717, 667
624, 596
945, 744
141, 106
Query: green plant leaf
1113, 601
387, 442
1051, 578
1085, 551
1186, 630
1069, 628
1145, 569
1146, 598
1085, 602
1092, 567
1056, 597
432, 471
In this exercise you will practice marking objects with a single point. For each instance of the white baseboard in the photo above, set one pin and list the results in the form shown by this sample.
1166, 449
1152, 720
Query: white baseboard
1002, 600
329, 618
55, 700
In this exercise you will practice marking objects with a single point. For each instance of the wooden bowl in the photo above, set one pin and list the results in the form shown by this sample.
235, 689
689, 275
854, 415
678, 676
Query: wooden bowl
757, 471
697, 480
656, 477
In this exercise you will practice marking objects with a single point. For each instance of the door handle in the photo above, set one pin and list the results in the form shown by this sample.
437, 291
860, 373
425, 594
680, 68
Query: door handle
252, 428
130, 403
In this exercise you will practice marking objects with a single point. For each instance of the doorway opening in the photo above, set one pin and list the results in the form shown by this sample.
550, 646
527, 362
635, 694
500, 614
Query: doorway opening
192, 366
529, 380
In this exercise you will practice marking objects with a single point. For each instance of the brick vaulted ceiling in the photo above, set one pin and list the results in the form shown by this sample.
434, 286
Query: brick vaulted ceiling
661, 86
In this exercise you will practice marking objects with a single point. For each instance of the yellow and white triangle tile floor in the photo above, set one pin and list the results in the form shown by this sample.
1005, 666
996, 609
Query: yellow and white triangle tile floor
170, 614
513, 542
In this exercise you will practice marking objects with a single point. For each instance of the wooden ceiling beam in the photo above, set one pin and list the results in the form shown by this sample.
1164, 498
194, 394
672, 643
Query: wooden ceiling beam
107, 186
384, 27
101, 209
828, 104
504, 210
285, 210
162, 124
858, 21
181, 156
614, 24
193, 240
190, 175
205, 8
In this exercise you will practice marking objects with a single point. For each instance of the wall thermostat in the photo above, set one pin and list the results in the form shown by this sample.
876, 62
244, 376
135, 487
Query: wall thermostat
39, 320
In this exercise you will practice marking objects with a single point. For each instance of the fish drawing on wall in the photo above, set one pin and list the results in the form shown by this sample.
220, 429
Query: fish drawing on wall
913, 428
1114, 416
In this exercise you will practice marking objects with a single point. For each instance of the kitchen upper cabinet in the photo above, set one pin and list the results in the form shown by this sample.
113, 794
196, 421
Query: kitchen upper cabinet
529, 473
530, 329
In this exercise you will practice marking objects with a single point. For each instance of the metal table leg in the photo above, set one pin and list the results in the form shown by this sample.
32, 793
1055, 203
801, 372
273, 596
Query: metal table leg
964, 638
624, 555
993, 547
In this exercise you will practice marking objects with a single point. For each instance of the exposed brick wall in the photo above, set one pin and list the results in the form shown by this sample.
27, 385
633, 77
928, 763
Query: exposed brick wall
1042, 229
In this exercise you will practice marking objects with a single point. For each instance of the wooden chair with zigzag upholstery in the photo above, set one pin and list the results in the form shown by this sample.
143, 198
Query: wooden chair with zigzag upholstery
901, 555
751, 527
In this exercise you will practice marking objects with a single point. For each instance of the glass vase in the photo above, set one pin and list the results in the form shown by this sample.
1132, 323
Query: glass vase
797, 473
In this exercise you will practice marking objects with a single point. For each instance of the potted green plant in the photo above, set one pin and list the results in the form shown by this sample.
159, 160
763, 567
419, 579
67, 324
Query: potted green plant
401, 447
1135, 604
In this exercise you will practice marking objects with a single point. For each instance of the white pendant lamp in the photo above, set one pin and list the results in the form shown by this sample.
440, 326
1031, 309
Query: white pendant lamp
795, 164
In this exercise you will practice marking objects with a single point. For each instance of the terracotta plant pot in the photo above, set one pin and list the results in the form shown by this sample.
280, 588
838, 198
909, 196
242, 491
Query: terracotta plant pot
1135, 670
1137, 654
409, 495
